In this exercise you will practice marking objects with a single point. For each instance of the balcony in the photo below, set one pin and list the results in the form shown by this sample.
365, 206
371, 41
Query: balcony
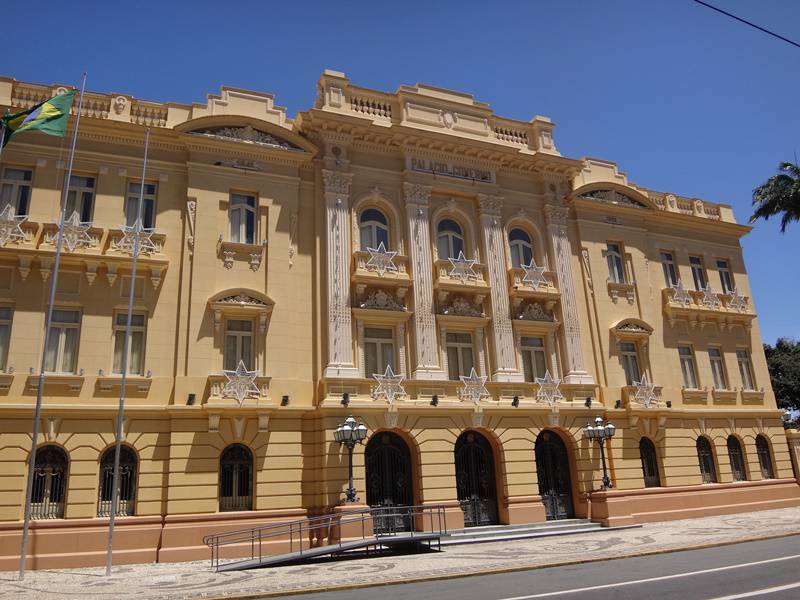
471, 278
545, 292
366, 272
218, 397
706, 307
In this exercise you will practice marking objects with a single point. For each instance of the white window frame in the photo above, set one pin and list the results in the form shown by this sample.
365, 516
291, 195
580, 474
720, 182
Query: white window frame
368, 230
242, 337
629, 356
745, 369
718, 373
148, 200
616, 263
120, 321
725, 275
688, 367
241, 205
519, 249
449, 238
61, 328
80, 197
382, 346
15, 189
698, 272
670, 268
530, 352
5, 334
460, 347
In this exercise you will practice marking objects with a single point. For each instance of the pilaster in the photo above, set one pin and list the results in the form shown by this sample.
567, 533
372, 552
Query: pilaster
502, 332
340, 329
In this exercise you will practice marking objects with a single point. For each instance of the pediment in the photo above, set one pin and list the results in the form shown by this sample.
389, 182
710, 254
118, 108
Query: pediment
246, 134
612, 197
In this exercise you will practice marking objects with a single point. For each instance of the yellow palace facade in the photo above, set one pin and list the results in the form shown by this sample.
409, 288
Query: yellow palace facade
414, 230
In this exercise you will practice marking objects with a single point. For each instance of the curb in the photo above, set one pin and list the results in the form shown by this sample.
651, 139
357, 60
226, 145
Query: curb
496, 571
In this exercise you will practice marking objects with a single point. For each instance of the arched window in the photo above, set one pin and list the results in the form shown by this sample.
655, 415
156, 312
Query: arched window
764, 457
126, 499
706, 457
736, 457
449, 240
236, 478
49, 483
521, 248
374, 229
647, 452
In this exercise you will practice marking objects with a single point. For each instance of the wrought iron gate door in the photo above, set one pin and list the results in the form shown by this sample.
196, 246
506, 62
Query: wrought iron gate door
552, 467
475, 481
388, 466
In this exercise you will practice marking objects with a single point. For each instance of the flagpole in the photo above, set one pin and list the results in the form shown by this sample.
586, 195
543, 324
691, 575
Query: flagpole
53, 282
137, 226
2, 137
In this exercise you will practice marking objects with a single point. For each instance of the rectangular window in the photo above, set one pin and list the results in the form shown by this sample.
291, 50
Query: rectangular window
135, 344
148, 204
61, 354
15, 189
717, 369
698, 272
670, 272
378, 351
616, 268
534, 362
745, 369
5, 334
459, 354
630, 362
80, 198
243, 218
238, 344
688, 367
725, 277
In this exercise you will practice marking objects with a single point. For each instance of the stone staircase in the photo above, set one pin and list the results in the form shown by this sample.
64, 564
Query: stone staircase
499, 533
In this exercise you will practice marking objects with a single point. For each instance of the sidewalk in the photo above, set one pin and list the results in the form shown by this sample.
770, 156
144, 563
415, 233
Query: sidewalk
195, 580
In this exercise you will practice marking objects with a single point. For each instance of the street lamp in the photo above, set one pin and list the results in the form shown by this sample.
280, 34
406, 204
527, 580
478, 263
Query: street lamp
349, 434
601, 433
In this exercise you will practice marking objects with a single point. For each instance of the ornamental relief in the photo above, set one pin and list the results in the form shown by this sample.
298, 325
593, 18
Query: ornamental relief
380, 300
534, 311
461, 307
247, 134
612, 197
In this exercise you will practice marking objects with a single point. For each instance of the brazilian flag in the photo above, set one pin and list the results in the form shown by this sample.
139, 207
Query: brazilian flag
48, 117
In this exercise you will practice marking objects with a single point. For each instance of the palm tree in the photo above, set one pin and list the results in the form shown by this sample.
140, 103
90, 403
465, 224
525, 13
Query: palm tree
779, 195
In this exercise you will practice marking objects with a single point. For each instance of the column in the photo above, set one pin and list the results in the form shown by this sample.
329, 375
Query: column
551, 349
502, 333
337, 259
481, 353
562, 251
426, 355
401, 349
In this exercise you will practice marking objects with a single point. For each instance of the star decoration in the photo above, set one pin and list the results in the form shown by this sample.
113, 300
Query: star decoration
645, 391
463, 268
381, 259
680, 295
534, 275
241, 383
474, 386
548, 391
390, 386
710, 299
10, 230
75, 233
737, 301
129, 235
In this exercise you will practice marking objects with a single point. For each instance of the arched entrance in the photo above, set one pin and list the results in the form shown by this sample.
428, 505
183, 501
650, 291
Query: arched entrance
389, 481
555, 484
477, 493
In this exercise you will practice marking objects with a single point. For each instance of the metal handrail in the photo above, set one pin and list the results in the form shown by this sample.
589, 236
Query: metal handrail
434, 515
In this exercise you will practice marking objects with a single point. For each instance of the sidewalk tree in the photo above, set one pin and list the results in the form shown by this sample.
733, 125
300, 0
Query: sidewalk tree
783, 361
779, 195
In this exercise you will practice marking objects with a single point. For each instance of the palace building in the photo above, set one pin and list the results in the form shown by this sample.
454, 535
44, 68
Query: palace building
416, 231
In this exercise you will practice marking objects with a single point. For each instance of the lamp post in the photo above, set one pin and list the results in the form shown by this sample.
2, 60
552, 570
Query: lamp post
350, 433
601, 433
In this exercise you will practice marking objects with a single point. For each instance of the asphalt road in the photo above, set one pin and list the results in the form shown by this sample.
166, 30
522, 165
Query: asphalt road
767, 569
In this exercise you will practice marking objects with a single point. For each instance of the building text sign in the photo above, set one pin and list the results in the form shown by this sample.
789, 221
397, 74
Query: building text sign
425, 165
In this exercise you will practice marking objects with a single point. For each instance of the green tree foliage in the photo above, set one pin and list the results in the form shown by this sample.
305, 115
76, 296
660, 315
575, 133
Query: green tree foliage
779, 195
783, 360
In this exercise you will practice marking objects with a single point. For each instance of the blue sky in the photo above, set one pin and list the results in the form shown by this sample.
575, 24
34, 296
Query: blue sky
682, 98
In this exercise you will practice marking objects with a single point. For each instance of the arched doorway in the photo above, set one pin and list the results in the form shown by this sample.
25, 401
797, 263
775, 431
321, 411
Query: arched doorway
555, 484
475, 482
389, 482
